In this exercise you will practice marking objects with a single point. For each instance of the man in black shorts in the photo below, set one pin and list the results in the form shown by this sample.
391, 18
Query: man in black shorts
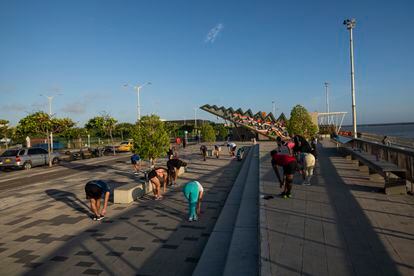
289, 165
173, 166
94, 190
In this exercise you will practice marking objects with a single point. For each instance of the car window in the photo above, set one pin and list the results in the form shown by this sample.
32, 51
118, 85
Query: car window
42, 151
21, 152
8, 153
32, 151
124, 143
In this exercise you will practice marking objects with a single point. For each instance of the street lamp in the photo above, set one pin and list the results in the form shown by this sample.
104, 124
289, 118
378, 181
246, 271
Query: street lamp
50, 99
350, 24
138, 89
274, 108
195, 117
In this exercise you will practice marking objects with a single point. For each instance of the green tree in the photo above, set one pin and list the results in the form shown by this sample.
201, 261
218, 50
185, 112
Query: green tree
41, 123
207, 133
74, 133
151, 139
221, 131
300, 123
124, 130
4, 131
172, 129
102, 126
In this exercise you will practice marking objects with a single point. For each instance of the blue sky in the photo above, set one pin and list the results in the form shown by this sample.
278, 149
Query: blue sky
257, 52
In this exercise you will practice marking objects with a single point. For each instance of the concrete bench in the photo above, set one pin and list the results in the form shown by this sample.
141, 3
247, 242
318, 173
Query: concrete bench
395, 177
128, 193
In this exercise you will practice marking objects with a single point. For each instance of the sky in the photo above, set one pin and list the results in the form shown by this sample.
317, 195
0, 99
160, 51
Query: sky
240, 54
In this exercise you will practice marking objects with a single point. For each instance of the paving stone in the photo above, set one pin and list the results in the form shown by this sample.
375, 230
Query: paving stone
136, 248
169, 246
85, 264
84, 253
59, 259
92, 271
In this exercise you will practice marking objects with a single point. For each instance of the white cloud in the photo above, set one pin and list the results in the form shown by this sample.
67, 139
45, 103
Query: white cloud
213, 33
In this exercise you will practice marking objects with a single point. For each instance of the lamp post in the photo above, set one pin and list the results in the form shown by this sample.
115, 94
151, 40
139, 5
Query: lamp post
195, 117
50, 99
350, 24
137, 88
273, 108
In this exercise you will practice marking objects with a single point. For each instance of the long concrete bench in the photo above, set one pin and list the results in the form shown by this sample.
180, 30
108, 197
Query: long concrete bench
395, 177
128, 193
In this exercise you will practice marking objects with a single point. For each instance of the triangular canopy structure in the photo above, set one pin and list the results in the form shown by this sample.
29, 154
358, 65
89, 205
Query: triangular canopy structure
250, 121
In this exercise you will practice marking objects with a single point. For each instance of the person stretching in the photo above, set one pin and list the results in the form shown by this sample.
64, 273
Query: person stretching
193, 192
94, 190
156, 177
289, 165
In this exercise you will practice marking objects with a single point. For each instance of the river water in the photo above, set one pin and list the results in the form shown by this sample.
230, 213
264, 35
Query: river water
404, 130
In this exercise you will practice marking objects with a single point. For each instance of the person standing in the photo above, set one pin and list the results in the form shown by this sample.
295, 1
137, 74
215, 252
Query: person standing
135, 161
289, 165
94, 190
203, 150
193, 192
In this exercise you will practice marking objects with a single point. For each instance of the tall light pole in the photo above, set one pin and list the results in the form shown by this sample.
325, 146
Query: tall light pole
350, 24
273, 108
50, 99
137, 88
327, 96
195, 117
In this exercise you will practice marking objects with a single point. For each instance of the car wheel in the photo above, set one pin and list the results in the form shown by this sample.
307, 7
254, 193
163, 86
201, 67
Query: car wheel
27, 166
55, 161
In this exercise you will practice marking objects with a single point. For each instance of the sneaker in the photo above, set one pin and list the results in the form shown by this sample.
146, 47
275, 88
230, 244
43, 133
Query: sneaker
306, 183
284, 196
289, 195
94, 218
195, 219
100, 218
190, 219
136, 173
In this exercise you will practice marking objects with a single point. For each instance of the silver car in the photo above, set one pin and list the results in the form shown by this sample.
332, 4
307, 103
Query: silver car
27, 158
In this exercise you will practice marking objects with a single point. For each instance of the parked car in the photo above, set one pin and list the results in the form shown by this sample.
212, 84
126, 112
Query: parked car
125, 146
26, 158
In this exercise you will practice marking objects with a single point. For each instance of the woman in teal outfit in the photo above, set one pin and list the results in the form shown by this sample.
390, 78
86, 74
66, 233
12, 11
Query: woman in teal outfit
193, 192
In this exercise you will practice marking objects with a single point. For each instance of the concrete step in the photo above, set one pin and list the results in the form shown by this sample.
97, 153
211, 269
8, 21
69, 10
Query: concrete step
214, 257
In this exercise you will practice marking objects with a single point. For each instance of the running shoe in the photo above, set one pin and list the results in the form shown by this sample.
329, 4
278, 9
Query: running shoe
284, 196
100, 218
94, 218
289, 195
190, 219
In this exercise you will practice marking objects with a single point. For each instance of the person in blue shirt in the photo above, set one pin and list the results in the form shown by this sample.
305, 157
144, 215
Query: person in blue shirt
94, 190
135, 161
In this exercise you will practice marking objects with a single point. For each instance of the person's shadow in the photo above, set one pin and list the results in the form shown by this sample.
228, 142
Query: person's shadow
69, 199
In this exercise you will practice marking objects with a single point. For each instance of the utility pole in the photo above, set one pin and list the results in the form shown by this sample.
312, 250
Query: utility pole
195, 117
50, 99
350, 25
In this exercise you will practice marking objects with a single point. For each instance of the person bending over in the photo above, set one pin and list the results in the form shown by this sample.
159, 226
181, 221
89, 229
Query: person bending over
94, 190
193, 192
308, 166
203, 150
158, 177
173, 166
289, 165
135, 161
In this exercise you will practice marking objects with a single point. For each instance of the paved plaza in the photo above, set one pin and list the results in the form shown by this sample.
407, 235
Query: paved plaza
47, 231
341, 225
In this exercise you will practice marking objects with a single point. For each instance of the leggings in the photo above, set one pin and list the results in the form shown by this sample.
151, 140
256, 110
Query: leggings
191, 192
